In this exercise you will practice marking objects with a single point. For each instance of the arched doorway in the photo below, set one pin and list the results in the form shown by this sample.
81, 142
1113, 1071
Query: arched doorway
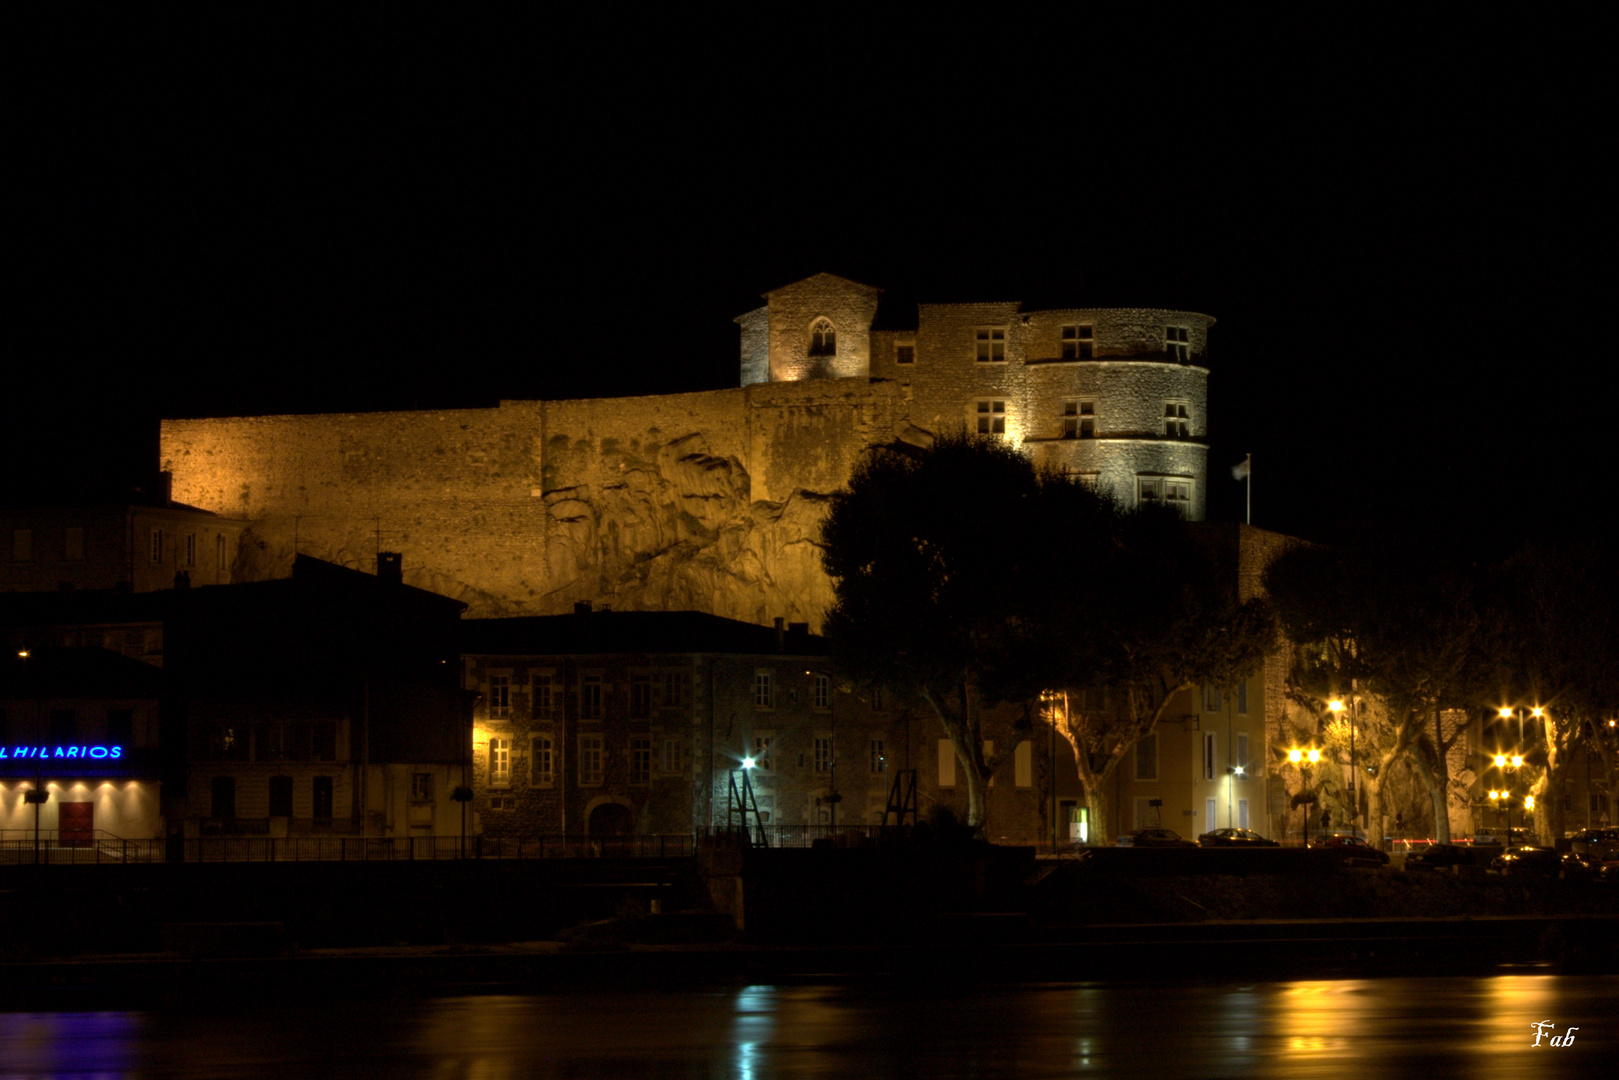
611, 819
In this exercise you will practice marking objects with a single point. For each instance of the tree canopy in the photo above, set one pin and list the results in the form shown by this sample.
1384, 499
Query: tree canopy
967, 578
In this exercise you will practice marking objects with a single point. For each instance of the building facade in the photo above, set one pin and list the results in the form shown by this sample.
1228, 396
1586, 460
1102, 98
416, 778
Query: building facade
604, 722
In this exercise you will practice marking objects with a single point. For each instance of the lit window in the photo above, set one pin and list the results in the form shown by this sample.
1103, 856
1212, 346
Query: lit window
905, 354
640, 761
1177, 343
761, 751
822, 691
591, 759
823, 339
1077, 342
500, 695
990, 344
541, 762
823, 755
500, 762
991, 416
590, 697
878, 762
1177, 420
764, 693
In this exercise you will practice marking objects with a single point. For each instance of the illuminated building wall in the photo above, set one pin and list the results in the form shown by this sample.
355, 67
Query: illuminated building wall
707, 501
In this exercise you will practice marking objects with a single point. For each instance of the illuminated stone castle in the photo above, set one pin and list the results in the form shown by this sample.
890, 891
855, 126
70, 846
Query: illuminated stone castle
707, 501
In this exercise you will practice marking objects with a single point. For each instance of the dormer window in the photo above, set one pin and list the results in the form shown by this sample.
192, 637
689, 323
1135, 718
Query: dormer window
823, 339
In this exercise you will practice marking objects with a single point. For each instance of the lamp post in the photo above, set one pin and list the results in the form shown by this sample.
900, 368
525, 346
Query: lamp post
1305, 760
1509, 765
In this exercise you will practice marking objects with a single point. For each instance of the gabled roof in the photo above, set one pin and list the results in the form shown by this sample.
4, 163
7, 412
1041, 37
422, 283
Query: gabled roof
817, 277
636, 632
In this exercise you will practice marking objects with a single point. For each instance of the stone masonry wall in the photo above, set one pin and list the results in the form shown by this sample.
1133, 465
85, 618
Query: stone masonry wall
707, 501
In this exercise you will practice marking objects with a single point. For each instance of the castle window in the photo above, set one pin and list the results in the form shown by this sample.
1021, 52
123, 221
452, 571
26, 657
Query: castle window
1177, 343
157, 545
904, 354
991, 344
1091, 480
764, 690
1078, 419
1177, 420
821, 691
1077, 342
991, 415
1167, 490
823, 339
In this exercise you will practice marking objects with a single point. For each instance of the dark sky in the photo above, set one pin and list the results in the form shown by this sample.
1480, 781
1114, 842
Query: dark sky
1396, 219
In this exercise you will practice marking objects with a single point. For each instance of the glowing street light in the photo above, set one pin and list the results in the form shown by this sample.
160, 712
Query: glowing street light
1305, 760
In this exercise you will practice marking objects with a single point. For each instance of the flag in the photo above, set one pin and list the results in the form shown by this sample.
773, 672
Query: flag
1241, 470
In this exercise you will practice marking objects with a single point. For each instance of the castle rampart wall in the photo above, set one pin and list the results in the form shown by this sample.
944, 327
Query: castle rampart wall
707, 501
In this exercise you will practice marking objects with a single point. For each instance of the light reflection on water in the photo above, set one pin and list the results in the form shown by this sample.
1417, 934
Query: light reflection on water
1435, 1027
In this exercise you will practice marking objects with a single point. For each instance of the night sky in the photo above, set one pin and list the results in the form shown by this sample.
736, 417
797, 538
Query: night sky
230, 209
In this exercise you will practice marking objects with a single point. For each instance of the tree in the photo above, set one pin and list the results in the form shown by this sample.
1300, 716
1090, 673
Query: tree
1557, 611
929, 551
1151, 611
1396, 623
967, 578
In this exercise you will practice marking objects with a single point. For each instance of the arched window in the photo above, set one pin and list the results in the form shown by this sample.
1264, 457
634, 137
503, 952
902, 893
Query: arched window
823, 339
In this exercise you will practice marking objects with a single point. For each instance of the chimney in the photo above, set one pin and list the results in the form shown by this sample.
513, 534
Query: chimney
391, 567
165, 488
781, 634
581, 607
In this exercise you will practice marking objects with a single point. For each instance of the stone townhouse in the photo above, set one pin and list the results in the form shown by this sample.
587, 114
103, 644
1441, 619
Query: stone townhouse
609, 722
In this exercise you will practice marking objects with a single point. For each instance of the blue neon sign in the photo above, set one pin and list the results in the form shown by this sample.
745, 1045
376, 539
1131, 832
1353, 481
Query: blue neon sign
40, 753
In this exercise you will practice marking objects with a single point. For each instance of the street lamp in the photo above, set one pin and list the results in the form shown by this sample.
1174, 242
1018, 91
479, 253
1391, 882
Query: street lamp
1509, 765
1305, 760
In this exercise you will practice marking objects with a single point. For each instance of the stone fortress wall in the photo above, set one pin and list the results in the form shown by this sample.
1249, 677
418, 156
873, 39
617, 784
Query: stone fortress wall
706, 501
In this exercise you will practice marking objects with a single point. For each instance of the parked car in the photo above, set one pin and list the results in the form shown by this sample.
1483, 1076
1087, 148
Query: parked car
1526, 860
1152, 838
1599, 845
1503, 837
1234, 838
1441, 857
1350, 848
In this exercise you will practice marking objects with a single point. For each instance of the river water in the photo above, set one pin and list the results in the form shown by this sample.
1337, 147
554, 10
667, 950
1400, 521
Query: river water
1474, 1027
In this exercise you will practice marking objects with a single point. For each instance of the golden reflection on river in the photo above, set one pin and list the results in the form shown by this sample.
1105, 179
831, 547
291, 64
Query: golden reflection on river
1434, 1028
